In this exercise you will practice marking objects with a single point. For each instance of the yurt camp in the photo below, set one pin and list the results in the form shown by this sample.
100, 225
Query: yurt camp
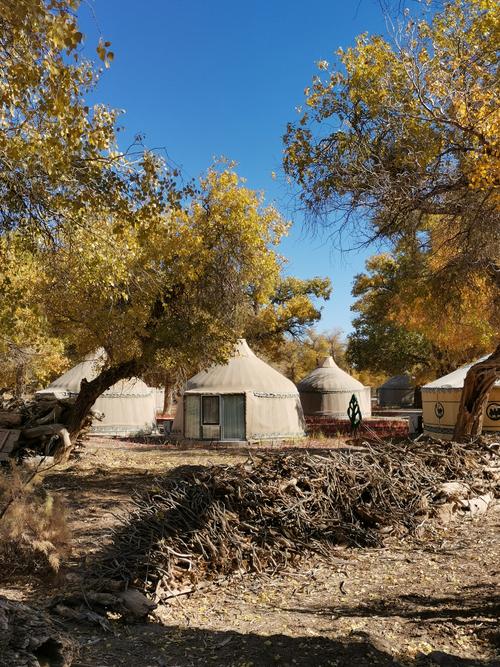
328, 389
242, 400
129, 406
441, 400
396, 392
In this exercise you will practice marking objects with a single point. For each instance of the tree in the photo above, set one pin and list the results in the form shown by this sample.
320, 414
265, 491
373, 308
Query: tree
288, 314
296, 357
30, 354
404, 327
401, 140
118, 255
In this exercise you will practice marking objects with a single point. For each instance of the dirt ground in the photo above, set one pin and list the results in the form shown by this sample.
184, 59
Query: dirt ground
412, 603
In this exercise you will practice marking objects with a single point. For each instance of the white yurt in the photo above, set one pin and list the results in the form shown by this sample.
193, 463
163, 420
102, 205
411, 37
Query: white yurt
441, 401
242, 400
327, 390
129, 406
396, 392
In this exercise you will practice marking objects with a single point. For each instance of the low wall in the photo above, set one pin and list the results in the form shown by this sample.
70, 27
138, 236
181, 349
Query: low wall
384, 427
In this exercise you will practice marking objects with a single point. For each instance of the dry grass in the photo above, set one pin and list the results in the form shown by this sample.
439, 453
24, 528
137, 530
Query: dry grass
34, 536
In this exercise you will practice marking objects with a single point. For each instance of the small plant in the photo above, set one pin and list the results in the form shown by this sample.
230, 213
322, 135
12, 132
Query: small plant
34, 535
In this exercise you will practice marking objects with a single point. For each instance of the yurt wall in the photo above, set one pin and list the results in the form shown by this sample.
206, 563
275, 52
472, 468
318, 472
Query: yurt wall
441, 401
396, 392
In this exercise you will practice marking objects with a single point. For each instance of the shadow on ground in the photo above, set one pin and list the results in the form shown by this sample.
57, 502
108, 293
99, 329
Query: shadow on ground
168, 646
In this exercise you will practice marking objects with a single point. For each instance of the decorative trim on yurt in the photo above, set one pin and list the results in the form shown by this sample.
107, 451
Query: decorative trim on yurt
254, 402
328, 389
441, 401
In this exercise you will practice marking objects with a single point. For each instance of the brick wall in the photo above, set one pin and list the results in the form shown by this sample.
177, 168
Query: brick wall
383, 427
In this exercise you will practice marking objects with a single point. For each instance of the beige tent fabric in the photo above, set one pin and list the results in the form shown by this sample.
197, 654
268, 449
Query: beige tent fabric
327, 390
129, 406
441, 401
272, 403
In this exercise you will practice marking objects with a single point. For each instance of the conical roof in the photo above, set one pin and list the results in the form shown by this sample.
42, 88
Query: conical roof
243, 372
329, 377
68, 384
397, 382
455, 380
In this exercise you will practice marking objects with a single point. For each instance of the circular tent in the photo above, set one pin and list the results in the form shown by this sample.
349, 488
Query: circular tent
129, 406
396, 392
328, 390
441, 400
242, 400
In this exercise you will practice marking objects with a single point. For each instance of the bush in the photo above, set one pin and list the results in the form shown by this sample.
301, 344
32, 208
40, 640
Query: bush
34, 536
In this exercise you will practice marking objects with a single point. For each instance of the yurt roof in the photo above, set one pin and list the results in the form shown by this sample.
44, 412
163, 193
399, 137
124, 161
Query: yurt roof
68, 384
455, 380
329, 377
243, 372
397, 382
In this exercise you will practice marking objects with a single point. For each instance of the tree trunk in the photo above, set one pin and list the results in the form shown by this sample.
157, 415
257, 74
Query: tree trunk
478, 382
90, 392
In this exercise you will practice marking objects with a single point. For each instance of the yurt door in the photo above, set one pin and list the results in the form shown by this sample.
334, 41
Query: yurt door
233, 417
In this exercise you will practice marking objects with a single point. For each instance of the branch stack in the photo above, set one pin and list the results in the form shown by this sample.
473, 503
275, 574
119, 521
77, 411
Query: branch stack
207, 523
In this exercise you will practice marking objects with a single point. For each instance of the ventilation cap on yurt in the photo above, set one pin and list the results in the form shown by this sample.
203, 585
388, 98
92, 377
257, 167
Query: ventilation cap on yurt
441, 402
129, 406
327, 390
255, 402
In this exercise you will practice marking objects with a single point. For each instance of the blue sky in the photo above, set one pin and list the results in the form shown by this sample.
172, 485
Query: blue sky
208, 78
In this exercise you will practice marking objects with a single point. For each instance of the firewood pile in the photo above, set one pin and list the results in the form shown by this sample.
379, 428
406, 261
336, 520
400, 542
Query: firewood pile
210, 523
35, 427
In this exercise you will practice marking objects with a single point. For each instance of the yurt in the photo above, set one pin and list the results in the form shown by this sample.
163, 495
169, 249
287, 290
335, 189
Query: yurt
242, 400
129, 406
441, 400
327, 390
396, 392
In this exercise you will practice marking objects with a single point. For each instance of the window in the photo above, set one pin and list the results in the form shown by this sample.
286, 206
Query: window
210, 409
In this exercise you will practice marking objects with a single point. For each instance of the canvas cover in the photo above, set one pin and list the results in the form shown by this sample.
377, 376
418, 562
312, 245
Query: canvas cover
328, 389
397, 391
441, 402
272, 408
129, 406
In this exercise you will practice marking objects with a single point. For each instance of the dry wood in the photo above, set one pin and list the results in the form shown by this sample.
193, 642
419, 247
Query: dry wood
264, 515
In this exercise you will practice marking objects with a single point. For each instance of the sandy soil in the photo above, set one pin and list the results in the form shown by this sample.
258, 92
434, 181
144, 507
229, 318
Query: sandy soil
408, 604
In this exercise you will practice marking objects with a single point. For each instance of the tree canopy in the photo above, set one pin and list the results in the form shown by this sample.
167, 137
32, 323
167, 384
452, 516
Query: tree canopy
401, 136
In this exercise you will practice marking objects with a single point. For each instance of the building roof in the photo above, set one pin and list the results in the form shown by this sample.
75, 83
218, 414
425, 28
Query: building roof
455, 380
68, 384
329, 377
397, 382
243, 372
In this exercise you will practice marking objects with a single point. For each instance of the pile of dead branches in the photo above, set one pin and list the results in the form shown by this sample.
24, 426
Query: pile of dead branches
262, 515
35, 427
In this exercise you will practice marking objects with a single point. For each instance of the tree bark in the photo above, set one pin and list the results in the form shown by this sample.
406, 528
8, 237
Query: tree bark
478, 382
90, 392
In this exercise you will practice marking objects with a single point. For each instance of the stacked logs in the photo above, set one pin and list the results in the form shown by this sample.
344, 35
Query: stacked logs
35, 427
261, 516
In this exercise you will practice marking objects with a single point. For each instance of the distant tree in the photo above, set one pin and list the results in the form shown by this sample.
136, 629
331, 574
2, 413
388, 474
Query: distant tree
404, 327
297, 357
288, 314
401, 140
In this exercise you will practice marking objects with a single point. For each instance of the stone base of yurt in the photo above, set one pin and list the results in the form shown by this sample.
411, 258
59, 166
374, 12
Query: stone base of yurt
331, 427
